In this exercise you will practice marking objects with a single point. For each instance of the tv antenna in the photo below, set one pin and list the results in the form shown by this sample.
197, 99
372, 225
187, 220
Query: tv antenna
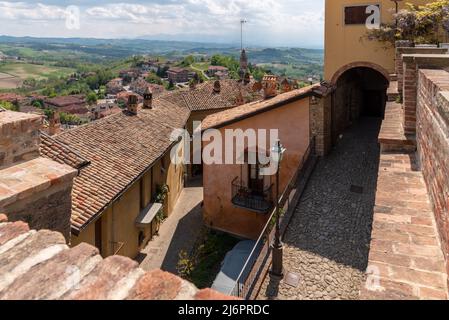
242, 22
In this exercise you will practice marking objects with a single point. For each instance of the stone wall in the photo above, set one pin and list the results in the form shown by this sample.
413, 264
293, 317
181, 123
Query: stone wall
433, 145
19, 137
320, 123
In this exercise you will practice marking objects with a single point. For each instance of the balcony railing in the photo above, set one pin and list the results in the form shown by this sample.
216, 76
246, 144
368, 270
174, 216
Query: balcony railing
244, 197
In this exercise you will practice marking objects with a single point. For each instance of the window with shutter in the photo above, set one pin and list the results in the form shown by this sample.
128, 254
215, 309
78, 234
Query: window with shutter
356, 15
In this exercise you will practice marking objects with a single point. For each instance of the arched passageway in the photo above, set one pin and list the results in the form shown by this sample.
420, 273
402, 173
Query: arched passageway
361, 92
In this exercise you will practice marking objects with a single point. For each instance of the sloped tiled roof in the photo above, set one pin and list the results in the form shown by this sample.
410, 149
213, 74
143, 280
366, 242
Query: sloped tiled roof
120, 148
244, 111
203, 97
61, 153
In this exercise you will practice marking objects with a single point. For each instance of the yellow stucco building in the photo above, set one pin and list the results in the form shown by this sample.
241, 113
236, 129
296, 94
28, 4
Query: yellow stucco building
345, 43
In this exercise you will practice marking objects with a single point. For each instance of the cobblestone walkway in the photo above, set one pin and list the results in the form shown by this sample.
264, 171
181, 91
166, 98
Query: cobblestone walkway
327, 241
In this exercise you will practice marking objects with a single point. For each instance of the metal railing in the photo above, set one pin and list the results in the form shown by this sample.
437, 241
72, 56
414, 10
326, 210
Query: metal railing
252, 273
244, 197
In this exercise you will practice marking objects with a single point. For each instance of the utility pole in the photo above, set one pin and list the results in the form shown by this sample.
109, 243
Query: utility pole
242, 22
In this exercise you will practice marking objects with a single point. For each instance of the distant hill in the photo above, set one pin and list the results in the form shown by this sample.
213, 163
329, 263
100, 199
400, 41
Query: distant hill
292, 62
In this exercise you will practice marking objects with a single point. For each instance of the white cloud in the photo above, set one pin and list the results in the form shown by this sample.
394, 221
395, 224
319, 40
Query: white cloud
277, 21
26, 11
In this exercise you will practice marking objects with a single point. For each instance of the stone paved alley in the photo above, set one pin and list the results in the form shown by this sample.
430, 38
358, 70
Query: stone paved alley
327, 241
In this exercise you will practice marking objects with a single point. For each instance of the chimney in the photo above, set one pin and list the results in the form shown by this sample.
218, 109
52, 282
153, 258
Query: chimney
217, 87
239, 100
54, 124
132, 104
286, 86
148, 99
246, 78
270, 86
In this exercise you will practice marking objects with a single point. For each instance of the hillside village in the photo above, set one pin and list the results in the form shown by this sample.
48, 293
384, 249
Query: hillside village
357, 207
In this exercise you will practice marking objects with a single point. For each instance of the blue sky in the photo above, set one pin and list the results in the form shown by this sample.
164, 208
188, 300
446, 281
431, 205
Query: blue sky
270, 22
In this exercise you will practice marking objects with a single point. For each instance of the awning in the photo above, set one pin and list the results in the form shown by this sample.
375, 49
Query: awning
148, 214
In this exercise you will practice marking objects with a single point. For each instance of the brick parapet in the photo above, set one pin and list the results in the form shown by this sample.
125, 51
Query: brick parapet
411, 50
53, 271
411, 64
433, 145
19, 137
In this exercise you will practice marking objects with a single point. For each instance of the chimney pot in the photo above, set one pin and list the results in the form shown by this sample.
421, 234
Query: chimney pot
54, 124
132, 104
148, 99
270, 86
217, 86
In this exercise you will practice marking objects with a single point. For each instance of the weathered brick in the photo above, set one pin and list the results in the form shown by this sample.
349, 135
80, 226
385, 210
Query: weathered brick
107, 281
53, 278
156, 285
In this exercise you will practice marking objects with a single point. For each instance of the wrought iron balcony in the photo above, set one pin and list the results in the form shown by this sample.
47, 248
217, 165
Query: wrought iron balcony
257, 201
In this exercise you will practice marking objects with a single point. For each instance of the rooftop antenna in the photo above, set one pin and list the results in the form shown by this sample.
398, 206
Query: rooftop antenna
242, 22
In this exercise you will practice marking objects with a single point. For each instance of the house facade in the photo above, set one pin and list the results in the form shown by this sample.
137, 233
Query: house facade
176, 74
130, 184
239, 198
345, 37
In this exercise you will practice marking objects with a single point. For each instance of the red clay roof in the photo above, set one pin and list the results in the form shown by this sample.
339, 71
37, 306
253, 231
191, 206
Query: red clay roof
239, 113
120, 148
203, 96
61, 153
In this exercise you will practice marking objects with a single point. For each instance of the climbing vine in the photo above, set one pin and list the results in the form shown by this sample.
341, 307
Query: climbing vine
418, 24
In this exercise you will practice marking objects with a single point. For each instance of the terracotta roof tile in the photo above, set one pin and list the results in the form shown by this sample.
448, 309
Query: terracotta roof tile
203, 96
120, 148
241, 112
61, 153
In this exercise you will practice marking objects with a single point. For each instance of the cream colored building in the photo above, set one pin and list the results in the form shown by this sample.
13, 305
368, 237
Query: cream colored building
345, 43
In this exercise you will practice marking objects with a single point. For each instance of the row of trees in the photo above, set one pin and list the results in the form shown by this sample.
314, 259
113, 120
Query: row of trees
418, 24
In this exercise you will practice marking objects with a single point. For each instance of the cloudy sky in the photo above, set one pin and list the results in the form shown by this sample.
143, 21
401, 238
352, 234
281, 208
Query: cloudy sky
270, 22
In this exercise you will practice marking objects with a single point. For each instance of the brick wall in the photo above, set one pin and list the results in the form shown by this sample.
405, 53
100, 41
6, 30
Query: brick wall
50, 209
433, 145
32, 189
19, 137
409, 96
406, 48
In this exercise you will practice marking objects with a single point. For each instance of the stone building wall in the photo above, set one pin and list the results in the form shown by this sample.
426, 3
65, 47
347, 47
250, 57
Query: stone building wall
433, 145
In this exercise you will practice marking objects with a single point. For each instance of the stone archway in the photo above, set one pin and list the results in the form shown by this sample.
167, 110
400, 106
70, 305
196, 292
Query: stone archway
359, 64
361, 92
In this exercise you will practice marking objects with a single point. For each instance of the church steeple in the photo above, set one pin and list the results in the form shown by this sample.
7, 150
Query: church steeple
243, 57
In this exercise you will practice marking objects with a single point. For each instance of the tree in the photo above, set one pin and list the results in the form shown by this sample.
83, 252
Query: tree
9, 106
92, 98
418, 24
153, 78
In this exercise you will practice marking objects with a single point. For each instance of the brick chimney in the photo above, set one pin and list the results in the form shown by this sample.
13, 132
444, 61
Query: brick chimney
286, 86
54, 124
217, 86
133, 103
270, 86
33, 189
148, 99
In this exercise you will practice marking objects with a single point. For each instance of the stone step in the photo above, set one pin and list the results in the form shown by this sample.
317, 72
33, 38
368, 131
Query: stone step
392, 92
392, 137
